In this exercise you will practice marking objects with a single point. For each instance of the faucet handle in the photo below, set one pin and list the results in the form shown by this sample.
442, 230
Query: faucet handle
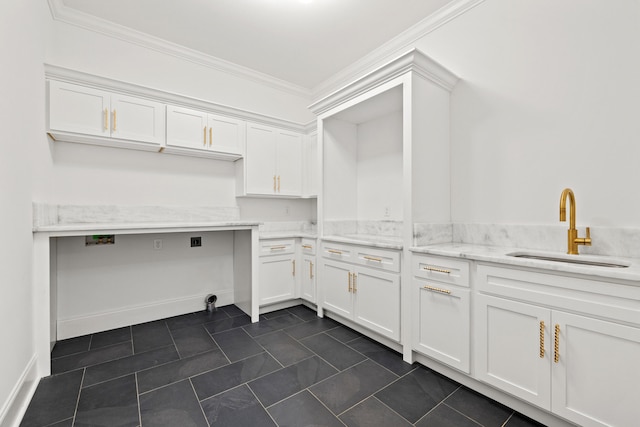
587, 240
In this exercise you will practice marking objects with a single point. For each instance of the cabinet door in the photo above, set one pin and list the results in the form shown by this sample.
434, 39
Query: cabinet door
186, 128
260, 160
79, 109
377, 301
441, 329
336, 286
308, 278
508, 348
289, 164
225, 134
277, 279
595, 381
137, 119
310, 166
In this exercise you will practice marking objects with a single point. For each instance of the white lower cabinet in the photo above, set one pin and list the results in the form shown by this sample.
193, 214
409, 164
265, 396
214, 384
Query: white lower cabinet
365, 295
277, 278
308, 278
580, 368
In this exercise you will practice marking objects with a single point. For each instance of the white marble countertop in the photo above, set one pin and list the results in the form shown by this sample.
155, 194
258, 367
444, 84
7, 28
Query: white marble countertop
287, 234
141, 227
500, 255
385, 242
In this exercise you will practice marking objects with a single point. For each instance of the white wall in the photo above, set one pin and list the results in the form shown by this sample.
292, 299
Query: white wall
548, 99
22, 130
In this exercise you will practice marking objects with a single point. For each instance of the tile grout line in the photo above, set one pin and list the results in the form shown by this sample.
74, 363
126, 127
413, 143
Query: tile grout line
206, 420
261, 404
138, 398
322, 403
75, 412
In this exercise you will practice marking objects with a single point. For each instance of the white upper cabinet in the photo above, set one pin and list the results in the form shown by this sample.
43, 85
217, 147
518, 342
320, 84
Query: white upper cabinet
197, 133
310, 165
83, 114
273, 163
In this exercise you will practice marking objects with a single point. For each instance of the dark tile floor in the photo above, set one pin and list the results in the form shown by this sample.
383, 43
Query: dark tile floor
218, 369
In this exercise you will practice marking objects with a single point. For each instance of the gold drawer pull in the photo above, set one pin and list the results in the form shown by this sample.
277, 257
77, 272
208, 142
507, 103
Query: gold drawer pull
355, 283
276, 248
278, 183
210, 137
293, 273
437, 270
310, 270
307, 247
204, 136
542, 339
106, 119
333, 251
434, 289
556, 345
371, 258
349, 281
114, 120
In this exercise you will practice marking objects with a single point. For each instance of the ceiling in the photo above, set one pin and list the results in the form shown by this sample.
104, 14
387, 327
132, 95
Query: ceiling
302, 42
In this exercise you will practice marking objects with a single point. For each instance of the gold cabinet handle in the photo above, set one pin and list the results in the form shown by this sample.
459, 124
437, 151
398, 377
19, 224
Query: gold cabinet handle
437, 270
293, 273
556, 344
106, 119
307, 247
434, 289
210, 137
278, 248
333, 251
278, 183
115, 124
310, 270
274, 183
542, 339
371, 258
350, 282
204, 136
355, 283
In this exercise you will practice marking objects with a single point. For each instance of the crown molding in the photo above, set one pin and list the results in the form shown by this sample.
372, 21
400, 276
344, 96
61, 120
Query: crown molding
67, 75
394, 47
61, 12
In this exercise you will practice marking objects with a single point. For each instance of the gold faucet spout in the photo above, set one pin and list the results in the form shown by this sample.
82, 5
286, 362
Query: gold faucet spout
572, 234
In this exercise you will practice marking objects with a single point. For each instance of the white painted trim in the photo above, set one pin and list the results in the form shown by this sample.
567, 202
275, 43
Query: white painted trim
16, 405
61, 12
403, 42
67, 75
82, 325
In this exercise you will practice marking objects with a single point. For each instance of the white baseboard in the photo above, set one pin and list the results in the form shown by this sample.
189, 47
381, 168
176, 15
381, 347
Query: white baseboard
97, 322
16, 404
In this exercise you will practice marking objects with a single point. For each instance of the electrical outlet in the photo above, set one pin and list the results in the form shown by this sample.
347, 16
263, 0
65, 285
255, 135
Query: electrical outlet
157, 244
196, 242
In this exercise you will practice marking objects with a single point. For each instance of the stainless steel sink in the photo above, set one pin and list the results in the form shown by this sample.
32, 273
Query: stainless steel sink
571, 259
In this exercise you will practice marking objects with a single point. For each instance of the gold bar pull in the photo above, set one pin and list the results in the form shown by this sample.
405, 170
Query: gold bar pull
277, 248
204, 136
542, 339
434, 289
349, 281
106, 119
310, 270
333, 251
556, 345
307, 247
115, 124
371, 258
355, 283
437, 270
274, 183
210, 137
278, 183
293, 273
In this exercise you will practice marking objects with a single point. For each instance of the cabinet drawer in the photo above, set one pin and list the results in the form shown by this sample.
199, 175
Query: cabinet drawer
277, 247
377, 258
337, 251
308, 246
447, 270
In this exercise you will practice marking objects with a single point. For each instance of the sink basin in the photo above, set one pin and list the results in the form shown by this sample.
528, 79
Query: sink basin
571, 259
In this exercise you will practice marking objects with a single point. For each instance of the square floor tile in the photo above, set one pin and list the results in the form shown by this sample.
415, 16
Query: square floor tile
230, 376
179, 370
485, 411
303, 410
128, 365
283, 383
445, 416
311, 327
237, 344
372, 413
351, 386
415, 394
71, 346
90, 358
383, 355
273, 324
192, 340
111, 337
333, 351
174, 405
151, 335
285, 349
235, 408
54, 400
112, 403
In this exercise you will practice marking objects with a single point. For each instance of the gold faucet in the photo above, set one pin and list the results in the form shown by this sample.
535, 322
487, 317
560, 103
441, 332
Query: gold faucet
572, 235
